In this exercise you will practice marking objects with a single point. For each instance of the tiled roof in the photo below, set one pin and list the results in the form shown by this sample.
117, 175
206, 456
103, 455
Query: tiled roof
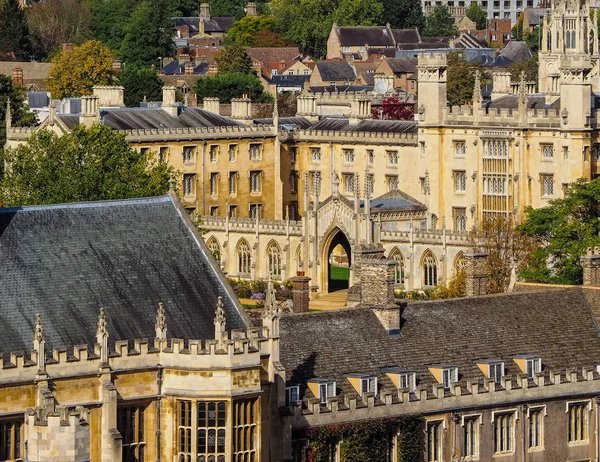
300, 122
376, 36
395, 200
556, 325
215, 24
334, 71
512, 102
406, 35
403, 65
31, 70
516, 51
274, 55
138, 118
66, 261
368, 125
197, 117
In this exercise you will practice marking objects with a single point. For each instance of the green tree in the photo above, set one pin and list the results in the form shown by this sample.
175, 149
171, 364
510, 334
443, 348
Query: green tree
84, 165
517, 30
404, 14
244, 30
148, 34
21, 116
14, 32
358, 13
140, 83
563, 230
440, 23
533, 39
476, 14
269, 39
75, 72
461, 79
229, 86
233, 58
530, 67
109, 19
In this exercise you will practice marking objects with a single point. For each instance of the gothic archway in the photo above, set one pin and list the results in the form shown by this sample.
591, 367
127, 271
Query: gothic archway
338, 260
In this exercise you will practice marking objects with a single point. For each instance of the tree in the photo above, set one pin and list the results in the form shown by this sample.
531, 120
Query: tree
148, 35
530, 67
476, 14
110, 17
358, 13
14, 33
84, 165
517, 30
74, 73
533, 39
229, 86
461, 79
21, 116
269, 39
404, 14
507, 249
244, 30
394, 109
440, 23
54, 22
233, 58
563, 231
140, 84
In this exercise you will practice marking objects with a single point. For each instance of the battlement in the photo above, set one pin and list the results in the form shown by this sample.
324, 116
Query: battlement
200, 133
432, 60
430, 399
356, 137
465, 115
426, 236
249, 225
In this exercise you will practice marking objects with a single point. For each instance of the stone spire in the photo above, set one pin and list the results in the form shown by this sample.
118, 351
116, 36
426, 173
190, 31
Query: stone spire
367, 209
522, 89
161, 322
220, 321
52, 114
276, 115
477, 98
271, 307
39, 343
8, 114
102, 336
172, 184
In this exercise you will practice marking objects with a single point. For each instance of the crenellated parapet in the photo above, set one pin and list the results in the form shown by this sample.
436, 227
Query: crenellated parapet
356, 137
249, 225
200, 133
426, 236
535, 118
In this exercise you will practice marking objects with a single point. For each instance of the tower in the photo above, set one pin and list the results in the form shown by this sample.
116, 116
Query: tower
433, 70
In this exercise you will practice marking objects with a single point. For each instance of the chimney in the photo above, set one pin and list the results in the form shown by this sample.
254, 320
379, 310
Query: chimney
360, 109
211, 105
17, 77
90, 111
204, 11
383, 83
109, 96
241, 109
183, 58
501, 85
169, 105
301, 293
476, 272
67, 47
189, 68
590, 263
251, 11
307, 106
213, 70
116, 66
192, 100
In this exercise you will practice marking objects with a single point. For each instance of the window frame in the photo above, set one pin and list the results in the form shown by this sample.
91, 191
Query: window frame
459, 148
188, 154
539, 424
547, 151
495, 366
392, 158
232, 152
255, 152
255, 177
330, 389
213, 153
460, 181
502, 444
371, 384
189, 184
434, 441
316, 155
290, 390
582, 435
471, 425
349, 156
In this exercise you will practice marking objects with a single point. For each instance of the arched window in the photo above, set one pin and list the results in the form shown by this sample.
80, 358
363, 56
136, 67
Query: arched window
274, 260
215, 249
397, 256
568, 40
433, 222
430, 269
244, 258
459, 263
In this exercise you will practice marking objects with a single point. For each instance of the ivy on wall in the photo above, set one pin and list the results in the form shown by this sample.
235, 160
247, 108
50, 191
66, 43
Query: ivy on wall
369, 440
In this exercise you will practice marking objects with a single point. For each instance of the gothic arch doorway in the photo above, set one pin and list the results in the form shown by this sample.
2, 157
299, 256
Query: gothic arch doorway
338, 255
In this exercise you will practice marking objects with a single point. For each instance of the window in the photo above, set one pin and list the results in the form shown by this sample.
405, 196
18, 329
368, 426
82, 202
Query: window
370, 156
547, 185
233, 148
408, 381
274, 260
214, 184
434, 441
293, 154
210, 440
315, 154
293, 182
349, 156
188, 184
460, 148
188, 153
215, 250
255, 177
566, 152
348, 183
368, 385
292, 394
397, 256
233, 183
547, 151
255, 211
578, 421
392, 182
503, 432
213, 152
460, 181
534, 366
233, 211
496, 371
244, 257
163, 154
293, 210
326, 390
495, 148
471, 436
392, 157
214, 210
370, 184
145, 151
449, 376
184, 430
536, 428
10, 440
130, 423
429, 269
460, 218
255, 151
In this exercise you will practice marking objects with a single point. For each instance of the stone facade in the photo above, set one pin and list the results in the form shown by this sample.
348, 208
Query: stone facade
476, 272
591, 267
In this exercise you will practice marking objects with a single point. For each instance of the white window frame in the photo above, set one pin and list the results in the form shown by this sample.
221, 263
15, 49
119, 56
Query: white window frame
348, 183
547, 151
290, 391
409, 378
492, 370
329, 389
393, 158
547, 181
371, 385
460, 149
392, 180
348, 156
449, 376
460, 181
532, 367
189, 188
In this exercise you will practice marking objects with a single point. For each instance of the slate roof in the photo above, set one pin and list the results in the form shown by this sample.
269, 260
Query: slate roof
406, 35
403, 65
516, 51
367, 125
215, 24
556, 325
197, 117
174, 68
274, 55
340, 88
377, 36
138, 118
300, 122
512, 102
395, 200
70, 120
334, 71
66, 261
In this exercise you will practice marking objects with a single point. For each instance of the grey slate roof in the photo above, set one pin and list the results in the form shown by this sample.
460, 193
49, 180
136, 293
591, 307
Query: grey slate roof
376, 36
215, 24
395, 200
70, 120
406, 35
66, 261
334, 71
300, 122
512, 102
516, 51
556, 325
367, 125
197, 117
138, 118
403, 65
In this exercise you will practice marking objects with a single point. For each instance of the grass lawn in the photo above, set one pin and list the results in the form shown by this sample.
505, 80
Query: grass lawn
339, 278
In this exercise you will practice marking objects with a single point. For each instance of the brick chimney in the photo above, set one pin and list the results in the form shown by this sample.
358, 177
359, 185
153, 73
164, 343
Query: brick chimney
251, 10
183, 58
476, 272
66, 47
205, 11
17, 77
189, 68
590, 263
301, 293
213, 70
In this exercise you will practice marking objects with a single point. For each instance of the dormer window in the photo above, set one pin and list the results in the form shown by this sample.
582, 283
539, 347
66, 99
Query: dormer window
292, 394
363, 383
492, 368
529, 364
404, 379
322, 389
445, 374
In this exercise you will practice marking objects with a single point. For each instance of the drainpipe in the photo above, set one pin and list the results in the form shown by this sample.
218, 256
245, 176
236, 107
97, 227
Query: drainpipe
597, 432
455, 422
204, 179
159, 382
524, 432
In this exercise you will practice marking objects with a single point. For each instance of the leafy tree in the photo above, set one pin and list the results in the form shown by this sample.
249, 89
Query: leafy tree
461, 79
148, 35
517, 30
229, 86
244, 30
84, 165
235, 8
14, 33
109, 19
75, 73
476, 14
440, 23
269, 39
140, 83
358, 13
233, 58
21, 116
54, 22
530, 67
532, 39
404, 14
563, 230
394, 109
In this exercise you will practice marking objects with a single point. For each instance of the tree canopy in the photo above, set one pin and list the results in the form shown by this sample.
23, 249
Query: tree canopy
250, 29
529, 67
394, 109
139, 83
21, 116
233, 58
14, 32
84, 165
461, 79
74, 73
563, 230
478, 15
404, 14
229, 86
440, 23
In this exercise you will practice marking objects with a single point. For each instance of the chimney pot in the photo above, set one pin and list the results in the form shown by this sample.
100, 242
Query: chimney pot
17, 77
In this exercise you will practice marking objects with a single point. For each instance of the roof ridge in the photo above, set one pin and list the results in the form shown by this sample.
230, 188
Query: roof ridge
87, 204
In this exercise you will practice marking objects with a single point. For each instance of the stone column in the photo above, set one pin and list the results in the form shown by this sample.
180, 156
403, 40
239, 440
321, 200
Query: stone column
476, 273
301, 294
591, 267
